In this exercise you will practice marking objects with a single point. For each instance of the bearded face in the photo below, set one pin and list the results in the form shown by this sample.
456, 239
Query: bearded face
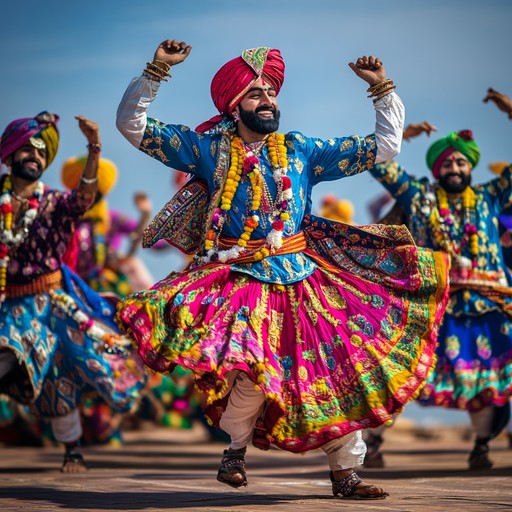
455, 173
455, 183
255, 121
28, 163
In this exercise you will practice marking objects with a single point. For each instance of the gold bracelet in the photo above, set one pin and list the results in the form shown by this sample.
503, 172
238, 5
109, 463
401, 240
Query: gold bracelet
157, 69
384, 93
166, 65
378, 85
156, 76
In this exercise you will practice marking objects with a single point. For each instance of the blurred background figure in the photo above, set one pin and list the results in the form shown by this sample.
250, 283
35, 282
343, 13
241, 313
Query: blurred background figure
340, 210
96, 250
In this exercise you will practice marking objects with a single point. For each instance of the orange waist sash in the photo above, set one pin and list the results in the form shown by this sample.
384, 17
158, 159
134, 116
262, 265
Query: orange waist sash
42, 284
291, 244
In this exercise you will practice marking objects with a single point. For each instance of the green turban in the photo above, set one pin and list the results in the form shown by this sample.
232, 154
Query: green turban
441, 149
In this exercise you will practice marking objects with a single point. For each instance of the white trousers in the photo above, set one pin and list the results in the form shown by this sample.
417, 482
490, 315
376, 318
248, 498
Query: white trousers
245, 404
66, 429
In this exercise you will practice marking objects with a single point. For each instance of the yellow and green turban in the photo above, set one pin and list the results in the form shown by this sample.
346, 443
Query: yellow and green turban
73, 167
40, 131
455, 141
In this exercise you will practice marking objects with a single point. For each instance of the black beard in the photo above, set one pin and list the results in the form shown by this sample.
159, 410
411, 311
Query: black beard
19, 170
258, 125
455, 188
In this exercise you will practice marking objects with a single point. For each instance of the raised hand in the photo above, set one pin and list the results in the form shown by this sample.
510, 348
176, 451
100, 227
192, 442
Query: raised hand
502, 101
370, 69
172, 52
142, 202
90, 129
414, 129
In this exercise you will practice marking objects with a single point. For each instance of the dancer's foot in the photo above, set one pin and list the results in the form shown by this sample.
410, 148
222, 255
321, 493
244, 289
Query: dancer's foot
350, 486
73, 463
479, 456
232, 470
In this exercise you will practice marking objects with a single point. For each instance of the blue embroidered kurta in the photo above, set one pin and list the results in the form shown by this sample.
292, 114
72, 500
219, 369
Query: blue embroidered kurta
474, 351
310, 161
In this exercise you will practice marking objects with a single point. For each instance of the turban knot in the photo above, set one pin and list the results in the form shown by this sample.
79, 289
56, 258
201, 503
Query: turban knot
236, 77
73, 167
441, 149
20, 131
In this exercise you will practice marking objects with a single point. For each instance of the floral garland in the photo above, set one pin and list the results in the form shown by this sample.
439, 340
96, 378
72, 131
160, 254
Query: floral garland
7, 237
441, 225
245, 162
112, 342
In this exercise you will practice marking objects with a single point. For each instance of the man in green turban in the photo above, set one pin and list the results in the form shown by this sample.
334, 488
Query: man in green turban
473, 371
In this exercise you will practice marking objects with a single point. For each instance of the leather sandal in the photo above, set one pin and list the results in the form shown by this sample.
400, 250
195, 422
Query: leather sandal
233, 463
350, 486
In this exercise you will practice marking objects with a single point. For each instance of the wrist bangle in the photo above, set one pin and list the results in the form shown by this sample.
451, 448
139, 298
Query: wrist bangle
95, 148
89, 181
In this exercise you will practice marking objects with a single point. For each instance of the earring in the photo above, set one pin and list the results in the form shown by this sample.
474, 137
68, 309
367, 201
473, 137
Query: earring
236, 117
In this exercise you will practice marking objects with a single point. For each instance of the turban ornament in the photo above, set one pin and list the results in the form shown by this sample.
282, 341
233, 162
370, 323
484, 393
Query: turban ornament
40, 131
455, 141
236, 77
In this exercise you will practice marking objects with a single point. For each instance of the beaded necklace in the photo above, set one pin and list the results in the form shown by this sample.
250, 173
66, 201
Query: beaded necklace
7, 237
444, 218
245, 162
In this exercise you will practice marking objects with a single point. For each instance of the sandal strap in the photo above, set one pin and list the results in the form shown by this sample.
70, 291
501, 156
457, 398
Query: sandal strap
346, 485
75, 457
233, 460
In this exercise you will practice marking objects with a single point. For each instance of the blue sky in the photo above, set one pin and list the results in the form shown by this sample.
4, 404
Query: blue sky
77, 58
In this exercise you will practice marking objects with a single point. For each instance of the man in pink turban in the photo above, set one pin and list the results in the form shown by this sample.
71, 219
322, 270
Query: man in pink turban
236, 77
53, 328
262, 316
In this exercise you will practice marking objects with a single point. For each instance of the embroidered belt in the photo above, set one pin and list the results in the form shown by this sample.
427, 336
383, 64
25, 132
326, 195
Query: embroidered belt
291, 244
475, 279
42, 284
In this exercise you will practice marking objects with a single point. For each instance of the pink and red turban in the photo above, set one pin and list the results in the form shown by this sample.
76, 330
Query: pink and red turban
20, 131
236, 77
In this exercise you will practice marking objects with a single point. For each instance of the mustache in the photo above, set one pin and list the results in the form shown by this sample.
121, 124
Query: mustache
265, 109
32, 160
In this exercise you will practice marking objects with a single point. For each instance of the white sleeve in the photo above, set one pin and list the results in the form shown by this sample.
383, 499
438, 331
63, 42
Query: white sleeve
389, 126
131, 117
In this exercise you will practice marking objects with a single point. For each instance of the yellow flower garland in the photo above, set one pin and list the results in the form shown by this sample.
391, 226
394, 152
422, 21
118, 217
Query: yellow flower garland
277, 155
468, 204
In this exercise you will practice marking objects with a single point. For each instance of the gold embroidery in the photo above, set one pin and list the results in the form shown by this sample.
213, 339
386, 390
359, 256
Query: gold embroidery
299, 165
317, 305
343, 165
346, 144
274, 330
294, 312
303, 373
175, 142
310, 310
334, 297
318, 170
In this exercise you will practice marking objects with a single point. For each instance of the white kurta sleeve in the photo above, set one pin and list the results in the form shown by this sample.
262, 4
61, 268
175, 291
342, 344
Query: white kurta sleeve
389, 126
131, 117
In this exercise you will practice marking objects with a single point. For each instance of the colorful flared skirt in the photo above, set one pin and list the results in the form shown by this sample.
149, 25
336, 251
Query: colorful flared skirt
332, 353
67, 344
474, 363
